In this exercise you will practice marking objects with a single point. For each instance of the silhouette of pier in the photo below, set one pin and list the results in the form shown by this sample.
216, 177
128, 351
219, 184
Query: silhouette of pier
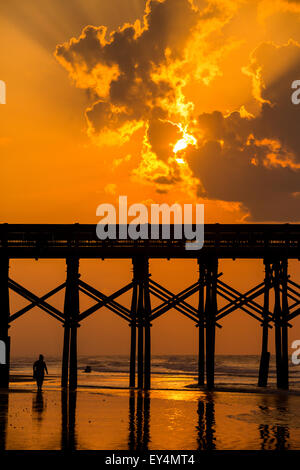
275, 244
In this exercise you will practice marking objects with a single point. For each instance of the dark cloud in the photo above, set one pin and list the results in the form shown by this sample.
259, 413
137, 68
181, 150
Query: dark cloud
228, 175
255, 160
134, 52
162, 136
279, 118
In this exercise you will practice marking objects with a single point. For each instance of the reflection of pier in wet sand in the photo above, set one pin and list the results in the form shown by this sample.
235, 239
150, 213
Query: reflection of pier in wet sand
204, 429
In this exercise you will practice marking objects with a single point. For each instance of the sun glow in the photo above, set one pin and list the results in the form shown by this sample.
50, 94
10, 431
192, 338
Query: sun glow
185, 141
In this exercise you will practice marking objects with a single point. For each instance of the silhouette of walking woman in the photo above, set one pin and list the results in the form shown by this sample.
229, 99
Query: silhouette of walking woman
39, 368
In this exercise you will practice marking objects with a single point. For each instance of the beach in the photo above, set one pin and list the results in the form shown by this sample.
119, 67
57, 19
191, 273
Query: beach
104, 414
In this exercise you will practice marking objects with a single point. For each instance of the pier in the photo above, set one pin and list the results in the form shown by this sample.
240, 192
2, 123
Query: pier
274, 244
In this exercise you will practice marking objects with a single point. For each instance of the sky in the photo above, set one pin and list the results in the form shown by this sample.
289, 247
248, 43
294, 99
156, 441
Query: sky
163, 101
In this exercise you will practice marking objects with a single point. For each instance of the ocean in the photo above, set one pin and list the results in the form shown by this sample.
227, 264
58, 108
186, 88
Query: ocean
167, 371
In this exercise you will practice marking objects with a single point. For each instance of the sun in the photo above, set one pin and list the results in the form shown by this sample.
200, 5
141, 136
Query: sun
181, 144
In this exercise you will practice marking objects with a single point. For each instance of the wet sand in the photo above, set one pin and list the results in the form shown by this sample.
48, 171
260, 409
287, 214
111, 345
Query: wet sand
109, 418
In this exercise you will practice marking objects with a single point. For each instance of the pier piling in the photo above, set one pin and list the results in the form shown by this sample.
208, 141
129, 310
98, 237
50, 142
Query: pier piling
71, 312
4, 322
284, 327
201, 342
265, 355
147, 382
210, 314
277, 318
142, 319
133, 334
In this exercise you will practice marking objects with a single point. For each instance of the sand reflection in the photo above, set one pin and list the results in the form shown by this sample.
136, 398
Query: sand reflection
138, 420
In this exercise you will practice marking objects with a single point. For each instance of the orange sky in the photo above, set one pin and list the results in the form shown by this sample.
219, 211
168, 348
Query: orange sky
93, 113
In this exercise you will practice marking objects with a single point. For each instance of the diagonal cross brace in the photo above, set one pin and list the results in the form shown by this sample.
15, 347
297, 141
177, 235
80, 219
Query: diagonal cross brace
169, 295
35, 301
244, 299
96, 306
237, 296
154, 291
105, 301
185, 308
174, 300
219, 291
238, 301
294, 314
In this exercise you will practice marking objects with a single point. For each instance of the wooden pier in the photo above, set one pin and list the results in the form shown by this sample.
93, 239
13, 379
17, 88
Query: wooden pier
274, 244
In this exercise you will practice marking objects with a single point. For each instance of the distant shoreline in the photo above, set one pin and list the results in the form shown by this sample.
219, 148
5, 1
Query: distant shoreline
230, 388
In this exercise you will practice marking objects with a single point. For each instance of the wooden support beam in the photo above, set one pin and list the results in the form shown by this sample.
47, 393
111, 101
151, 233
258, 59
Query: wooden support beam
293, 283
240, 306
201, 341
293, 311
143, 315
4, 322
66, 355
265, 355
176, 300
277, 317
73, 266
173, 299
96, 307
183, 307
26, 294
168, 295
133, 336
238, 296
240, 299
147, 372
71, 314
105, 301
138, 267
284, 328
180, 308
140, 315
36, 303
210, 315
294, 314
66, 344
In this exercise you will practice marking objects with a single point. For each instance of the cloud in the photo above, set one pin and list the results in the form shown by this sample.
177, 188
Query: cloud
256, 159
122, 68
143, 76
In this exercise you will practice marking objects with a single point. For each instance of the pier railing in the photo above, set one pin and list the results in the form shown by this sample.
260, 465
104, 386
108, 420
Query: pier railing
225, 240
